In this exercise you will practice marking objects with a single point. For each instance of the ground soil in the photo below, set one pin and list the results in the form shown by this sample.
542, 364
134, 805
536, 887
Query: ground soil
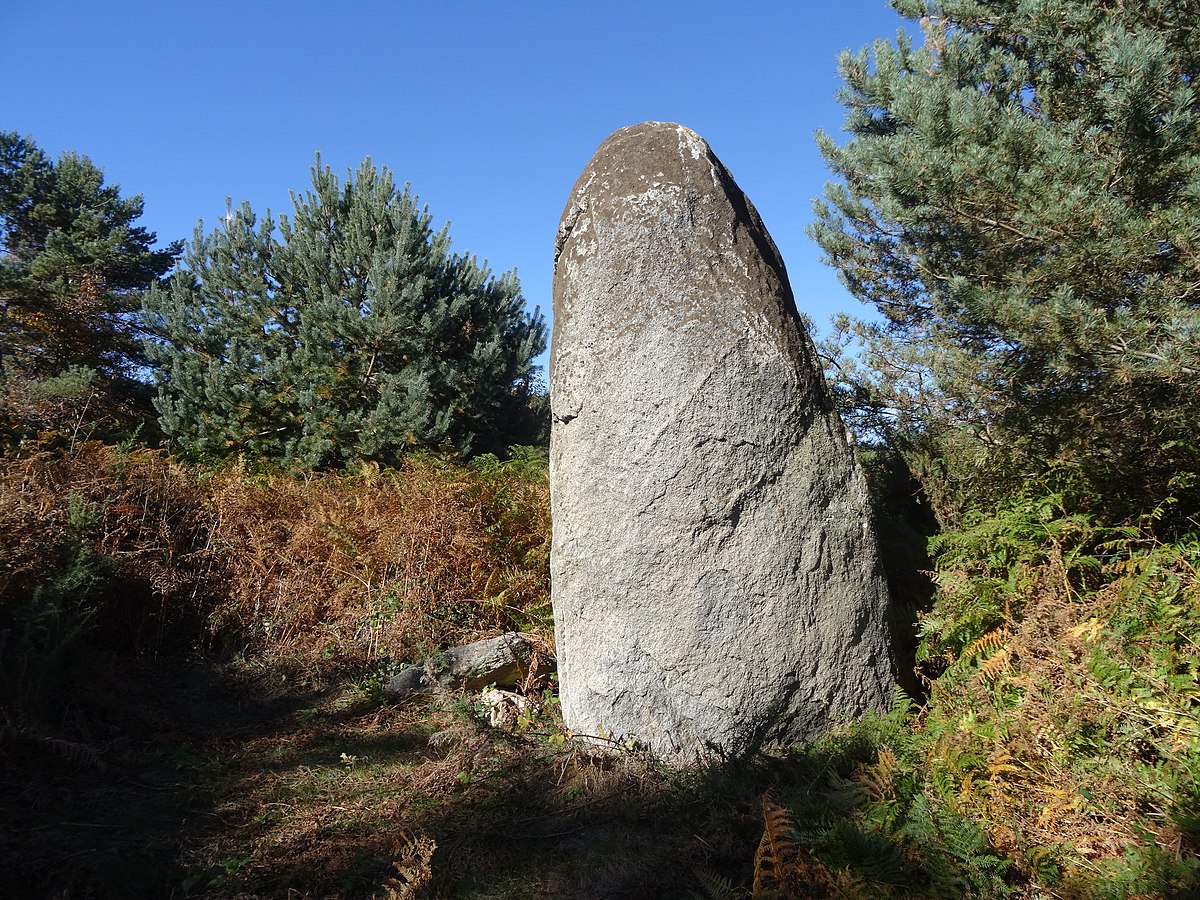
172, 780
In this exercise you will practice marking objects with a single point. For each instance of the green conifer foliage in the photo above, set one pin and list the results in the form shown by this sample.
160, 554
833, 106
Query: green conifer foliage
74, 263
346, 331
1020, 200
73, 266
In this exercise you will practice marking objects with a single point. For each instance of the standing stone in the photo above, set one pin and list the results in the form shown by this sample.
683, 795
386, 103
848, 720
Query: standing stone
715, 578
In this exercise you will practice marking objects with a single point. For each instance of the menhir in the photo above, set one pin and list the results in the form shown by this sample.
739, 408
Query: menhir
715, 577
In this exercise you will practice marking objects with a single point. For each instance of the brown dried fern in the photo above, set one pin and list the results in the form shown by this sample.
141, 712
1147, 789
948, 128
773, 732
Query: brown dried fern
996, 640
413, 865
77, 754
879, 780
993, 640
781, 869
997, 663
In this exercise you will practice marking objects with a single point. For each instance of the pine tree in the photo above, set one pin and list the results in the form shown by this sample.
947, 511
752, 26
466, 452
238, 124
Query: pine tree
1020, 200
73, 266
346, 331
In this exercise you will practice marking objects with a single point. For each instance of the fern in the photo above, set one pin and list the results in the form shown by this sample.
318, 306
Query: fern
993, 640
413, 865
714, 886
902, 705
997, 663
781, 869
982, 868
776, 852
869, 854
75, 753
879, 780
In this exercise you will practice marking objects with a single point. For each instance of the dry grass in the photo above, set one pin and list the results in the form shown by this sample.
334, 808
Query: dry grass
233, 784
143, 523
108, 558
317, 572
389, 565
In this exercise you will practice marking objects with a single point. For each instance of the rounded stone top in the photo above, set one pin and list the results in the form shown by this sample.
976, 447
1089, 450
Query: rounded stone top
650, 161
654, 202
649, 148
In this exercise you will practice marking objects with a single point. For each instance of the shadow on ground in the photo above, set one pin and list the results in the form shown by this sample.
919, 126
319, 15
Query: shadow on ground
170, 780
105, 795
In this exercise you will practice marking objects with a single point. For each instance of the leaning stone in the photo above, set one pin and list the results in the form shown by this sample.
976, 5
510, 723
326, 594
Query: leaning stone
715, 577
504, 661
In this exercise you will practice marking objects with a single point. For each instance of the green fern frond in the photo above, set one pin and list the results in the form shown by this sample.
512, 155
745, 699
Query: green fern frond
870, 855
714, 886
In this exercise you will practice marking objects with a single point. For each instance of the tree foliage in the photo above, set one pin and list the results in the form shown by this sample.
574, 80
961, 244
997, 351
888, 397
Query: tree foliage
74, 263
73, 266
345, 331
1020, 200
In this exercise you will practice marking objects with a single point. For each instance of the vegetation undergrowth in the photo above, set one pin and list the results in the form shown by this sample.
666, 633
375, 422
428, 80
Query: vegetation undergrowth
316, 571
191, 706
1058, 751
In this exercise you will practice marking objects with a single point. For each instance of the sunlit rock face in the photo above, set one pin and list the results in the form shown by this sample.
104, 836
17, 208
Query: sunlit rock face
715, 577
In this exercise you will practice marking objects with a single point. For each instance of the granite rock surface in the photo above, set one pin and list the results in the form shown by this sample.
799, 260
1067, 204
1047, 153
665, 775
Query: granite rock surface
715, 576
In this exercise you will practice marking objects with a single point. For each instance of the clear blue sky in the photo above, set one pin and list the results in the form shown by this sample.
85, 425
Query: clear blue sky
489, 109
